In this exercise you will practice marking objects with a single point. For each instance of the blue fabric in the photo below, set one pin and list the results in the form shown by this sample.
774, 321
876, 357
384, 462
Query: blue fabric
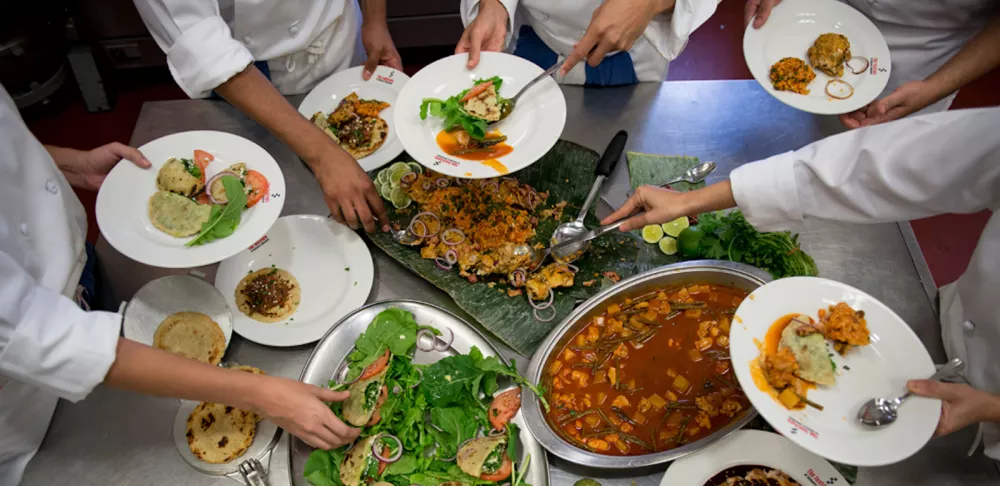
616, 70
260, 65
88, 280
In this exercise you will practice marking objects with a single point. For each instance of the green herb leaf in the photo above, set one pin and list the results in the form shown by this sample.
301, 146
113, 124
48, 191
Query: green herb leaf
392, 329
191, 167
223, 220
323, 467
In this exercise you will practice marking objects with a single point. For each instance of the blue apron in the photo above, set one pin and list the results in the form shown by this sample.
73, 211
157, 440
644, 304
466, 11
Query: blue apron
615, 70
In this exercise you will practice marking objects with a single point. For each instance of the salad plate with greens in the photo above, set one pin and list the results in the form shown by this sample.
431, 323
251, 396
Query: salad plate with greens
436, 403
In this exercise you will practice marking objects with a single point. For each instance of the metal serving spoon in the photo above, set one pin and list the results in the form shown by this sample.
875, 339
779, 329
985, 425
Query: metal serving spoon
539, 255
879, 412
510, 103
573, 229
693, 175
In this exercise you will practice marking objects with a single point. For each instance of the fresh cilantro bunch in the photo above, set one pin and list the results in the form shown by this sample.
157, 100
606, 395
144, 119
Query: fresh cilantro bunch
730, 237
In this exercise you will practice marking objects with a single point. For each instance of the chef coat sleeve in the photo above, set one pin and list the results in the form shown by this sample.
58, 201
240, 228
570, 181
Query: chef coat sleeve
470, 9
912, 168
47, 341
201, 51
676, 27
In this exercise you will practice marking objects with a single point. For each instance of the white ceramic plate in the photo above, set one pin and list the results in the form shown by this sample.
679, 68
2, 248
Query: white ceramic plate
123, 216
752, 448
789, 32
384, 85
171, 294
880, 369
331, 263
532, 128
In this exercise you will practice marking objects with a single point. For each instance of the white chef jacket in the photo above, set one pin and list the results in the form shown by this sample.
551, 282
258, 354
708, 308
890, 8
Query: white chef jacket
912, 168
924, 34
49, 347
209, 41
562, 23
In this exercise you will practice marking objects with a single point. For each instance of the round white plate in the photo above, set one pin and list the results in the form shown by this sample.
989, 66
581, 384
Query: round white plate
264, 440
171, 294
384, 85
331, 263
879, 369
123, 215
789, 32
752, 448
532, 128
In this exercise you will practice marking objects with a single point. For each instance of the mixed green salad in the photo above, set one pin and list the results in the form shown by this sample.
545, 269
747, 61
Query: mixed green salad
454, 112
447, 422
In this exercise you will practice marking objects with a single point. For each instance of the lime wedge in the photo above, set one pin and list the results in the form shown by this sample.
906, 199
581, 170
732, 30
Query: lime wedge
652, 233
674, 228
399, 198
415, 167
668, 245
398, 165
383, 176
383, 189
396, 175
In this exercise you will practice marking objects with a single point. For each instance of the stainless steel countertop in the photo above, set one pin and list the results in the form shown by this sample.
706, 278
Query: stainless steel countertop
119, 438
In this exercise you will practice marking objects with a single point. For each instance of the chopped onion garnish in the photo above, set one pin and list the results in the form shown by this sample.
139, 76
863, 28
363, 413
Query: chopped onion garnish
445, 343
839, 96
442, 182
539, 318
451, 256
426, 345
408, 177
458, 238
857, 70
546, 304
378, 453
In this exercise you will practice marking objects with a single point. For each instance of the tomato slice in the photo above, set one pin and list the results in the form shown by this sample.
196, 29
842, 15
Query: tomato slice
502, 473
258, 187
477, 90
202, 159
381, 464
376, 367
203, 198
504, 407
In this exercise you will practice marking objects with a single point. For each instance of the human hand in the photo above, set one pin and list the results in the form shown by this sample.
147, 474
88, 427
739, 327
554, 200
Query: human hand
299, 409
961, 405
379, 47
349, 192
487, 32
660, 205
908, 98
614, 26
86, 169
760, 8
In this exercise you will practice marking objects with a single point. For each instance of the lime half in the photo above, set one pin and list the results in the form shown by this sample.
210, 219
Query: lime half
399, 198
652, 233
415, 167
668, 245
674, 228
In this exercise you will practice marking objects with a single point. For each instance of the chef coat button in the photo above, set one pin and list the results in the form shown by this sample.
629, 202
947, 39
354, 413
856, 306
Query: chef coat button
246, 40
24, 230
969, 326
52, 187
293, 29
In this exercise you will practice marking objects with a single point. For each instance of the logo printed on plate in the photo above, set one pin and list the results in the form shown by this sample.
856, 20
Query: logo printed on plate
796, 425
385, 79
439, 159
259, 243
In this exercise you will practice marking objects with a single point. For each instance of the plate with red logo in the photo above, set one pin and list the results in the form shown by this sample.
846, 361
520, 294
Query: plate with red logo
753, 453
384, 85
324, 267
509, 145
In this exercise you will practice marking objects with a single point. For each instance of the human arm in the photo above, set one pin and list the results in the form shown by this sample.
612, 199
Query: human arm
376, 39
961, 404
86, 169
488, 24
976, 58
941, 163
614, 26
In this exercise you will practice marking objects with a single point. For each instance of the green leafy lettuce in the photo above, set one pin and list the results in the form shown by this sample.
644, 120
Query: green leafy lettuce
453, 110
223, 219
728, 236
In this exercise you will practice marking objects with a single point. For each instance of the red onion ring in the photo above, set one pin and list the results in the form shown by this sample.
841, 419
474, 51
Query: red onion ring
473, 258
427, 233
446, 343
490, 185
426, 347
572, 267
857, 71
444, 236
407, 179
342, 372
839, 97
533, 199
413, 228
442, 182
546, 305
544, 319
442, 263
421, 373
518, 277
427, 185
494, 432
393, 458
451, 256
208, 186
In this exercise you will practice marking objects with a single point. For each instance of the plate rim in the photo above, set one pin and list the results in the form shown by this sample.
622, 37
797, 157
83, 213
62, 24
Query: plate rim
227, 332
755, 36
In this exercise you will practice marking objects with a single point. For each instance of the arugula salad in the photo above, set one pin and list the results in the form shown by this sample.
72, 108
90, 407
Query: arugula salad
471, 110
447, 423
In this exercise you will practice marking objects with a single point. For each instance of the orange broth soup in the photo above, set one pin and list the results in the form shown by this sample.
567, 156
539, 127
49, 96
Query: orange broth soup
649, 374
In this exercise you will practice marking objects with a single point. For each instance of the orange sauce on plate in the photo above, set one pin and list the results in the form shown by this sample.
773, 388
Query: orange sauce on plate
450, 146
